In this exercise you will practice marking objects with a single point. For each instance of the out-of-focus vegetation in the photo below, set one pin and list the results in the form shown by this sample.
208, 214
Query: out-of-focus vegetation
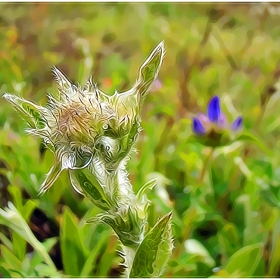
226, 218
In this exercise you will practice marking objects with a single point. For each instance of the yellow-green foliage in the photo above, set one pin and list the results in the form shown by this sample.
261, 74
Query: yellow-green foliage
225, 202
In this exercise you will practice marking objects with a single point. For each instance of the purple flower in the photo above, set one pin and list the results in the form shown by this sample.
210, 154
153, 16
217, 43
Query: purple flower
198, 128
214, 110
216, 120
237, 124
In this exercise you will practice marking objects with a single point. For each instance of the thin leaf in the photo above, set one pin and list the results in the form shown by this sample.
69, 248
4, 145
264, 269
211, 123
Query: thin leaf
148, 186
74, 252
37, 259
33, 111
251, 138
11, 218
10, 258
91, 260
275, 260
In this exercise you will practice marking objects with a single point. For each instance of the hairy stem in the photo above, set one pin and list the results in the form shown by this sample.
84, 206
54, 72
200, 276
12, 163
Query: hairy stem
129, 258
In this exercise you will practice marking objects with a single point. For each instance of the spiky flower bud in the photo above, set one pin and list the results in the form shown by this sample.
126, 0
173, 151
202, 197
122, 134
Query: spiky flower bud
91, 135
85, 126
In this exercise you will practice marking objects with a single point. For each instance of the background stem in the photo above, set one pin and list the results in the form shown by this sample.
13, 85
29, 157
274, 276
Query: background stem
205, 166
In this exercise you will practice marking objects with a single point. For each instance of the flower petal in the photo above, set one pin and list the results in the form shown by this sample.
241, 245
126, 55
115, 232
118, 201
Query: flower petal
198, 128
237, 124
214, 110
222, 121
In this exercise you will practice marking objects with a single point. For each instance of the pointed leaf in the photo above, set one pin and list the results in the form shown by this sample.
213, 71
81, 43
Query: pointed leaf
17, 197
28, 108
19, 245
37, 259
149, 185
128, 228
84, 182
28, 209
245, 261
52, 175
154, 251
150, 68
92, 259
4, 272
11, 218
6, 241
74, 252
61, 79
148, 72
275, 259
251, 138
10, 258
194, 247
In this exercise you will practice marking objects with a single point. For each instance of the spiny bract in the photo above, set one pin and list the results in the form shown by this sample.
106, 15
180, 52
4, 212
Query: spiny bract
84, 121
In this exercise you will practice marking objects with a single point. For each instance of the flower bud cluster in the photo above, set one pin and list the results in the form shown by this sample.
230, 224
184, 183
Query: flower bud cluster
91, 135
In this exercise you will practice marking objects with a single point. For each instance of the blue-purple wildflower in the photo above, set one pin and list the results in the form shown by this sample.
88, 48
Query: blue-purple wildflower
215, 120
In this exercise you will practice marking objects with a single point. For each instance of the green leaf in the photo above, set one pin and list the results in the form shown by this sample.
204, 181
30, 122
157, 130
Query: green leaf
105, 265
148, 186
251, 138
11, 218
270, 198
195, 248
128, 227
6, 241
16, 273
91, 260
44, 271
29, 109
228, 239
142, 198
275, 260
19, 245
4, 272
245, 261
149, 70
154, 251
84, 182
74, 252
17, 197
10, 258
37, 259
25, 210
28, 209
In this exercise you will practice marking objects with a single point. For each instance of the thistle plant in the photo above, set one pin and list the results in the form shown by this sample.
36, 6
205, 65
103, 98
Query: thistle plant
92, 135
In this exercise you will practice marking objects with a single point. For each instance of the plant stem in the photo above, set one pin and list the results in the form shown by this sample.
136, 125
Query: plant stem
205, 166
188, 230
129, 258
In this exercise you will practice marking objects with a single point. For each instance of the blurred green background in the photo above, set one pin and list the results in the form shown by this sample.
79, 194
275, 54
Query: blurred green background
226, 210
